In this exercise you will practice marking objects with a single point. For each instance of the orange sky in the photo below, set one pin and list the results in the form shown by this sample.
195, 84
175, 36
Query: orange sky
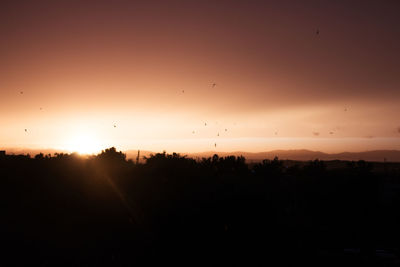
84, 66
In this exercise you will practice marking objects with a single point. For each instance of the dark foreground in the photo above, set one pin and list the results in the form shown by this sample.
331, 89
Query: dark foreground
106, 211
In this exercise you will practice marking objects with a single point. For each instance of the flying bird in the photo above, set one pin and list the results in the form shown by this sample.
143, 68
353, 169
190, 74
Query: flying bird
205, 124
21, 92
330, 132
215, 144
183, 91
218, 134
316, 133
213, 85
26, 130
226, 130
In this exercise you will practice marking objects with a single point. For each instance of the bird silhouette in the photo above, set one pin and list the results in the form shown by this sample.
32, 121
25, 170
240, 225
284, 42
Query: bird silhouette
215, 145
21, 92
226, 130
205, 124
218, 134
40, 108
317, 32
115, 126
316, 133
183, 91
213, 85
26, 130
330, 132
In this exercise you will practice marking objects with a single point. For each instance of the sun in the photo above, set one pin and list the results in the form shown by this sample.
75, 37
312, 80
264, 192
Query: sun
84, 144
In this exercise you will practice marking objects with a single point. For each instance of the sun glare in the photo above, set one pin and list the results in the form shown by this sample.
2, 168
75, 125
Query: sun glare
84, 144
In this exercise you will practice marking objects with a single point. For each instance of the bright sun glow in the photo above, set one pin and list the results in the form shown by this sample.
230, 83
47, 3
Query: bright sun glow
84, 144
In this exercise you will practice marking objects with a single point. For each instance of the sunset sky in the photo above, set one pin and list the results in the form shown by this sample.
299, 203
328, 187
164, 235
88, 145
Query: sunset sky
87, 75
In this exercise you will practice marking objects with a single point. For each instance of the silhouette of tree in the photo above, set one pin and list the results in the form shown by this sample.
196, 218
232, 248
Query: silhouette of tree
269, 167
111, 155
215, 207
39, 156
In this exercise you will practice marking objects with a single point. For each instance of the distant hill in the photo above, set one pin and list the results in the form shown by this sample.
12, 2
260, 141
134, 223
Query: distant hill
305, 155
300, 154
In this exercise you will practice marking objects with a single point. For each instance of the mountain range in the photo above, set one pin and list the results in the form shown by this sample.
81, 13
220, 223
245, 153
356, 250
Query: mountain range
299, 154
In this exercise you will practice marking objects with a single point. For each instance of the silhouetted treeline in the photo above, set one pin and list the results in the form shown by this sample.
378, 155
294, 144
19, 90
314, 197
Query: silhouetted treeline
105, 210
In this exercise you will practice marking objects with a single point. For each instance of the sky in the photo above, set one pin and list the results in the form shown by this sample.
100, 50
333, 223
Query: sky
192, 76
